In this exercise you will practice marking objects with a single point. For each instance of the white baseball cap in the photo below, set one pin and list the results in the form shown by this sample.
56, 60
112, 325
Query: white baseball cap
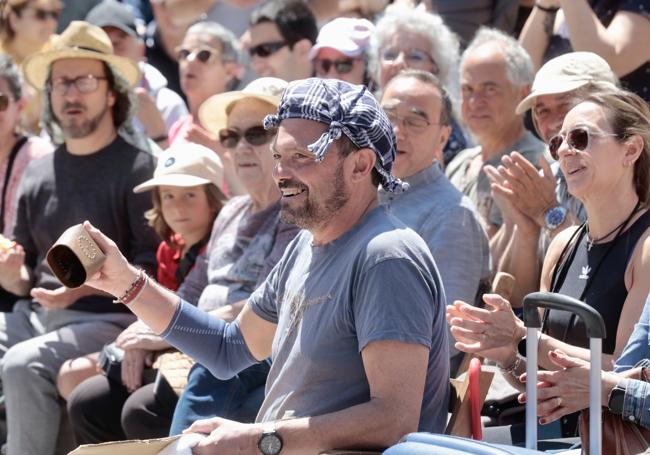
566, 73
186, 164
348, 35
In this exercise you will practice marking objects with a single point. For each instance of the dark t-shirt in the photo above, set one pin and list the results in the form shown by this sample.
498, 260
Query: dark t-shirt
61, 190
158, 58
638, 81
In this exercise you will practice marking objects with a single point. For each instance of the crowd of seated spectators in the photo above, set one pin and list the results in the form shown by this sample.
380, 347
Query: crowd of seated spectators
521, 136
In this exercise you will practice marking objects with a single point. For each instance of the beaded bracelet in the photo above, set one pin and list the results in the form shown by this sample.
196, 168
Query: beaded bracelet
134, 291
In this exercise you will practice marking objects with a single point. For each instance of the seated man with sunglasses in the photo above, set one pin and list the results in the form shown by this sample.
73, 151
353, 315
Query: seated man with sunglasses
341, 50
247, 240
282, 32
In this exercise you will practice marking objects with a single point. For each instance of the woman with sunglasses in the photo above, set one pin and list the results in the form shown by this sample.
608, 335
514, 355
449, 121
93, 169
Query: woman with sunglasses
341, 48
603, 150
413, 39
208, 64
16, 151
27, 26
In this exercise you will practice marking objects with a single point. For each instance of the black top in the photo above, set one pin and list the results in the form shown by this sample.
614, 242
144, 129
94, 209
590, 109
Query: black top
60, 190
157, 57
638, 81
602, 269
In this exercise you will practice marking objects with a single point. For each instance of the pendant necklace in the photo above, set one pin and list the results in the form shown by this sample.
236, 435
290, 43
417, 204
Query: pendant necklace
591, 242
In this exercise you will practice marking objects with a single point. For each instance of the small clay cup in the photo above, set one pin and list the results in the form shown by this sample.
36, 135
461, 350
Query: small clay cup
75, 256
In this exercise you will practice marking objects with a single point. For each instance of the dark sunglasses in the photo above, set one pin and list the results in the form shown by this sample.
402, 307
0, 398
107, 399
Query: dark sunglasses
265, 49
202, 54
4, 102
578, 139
255, 135
342, 65
43, 14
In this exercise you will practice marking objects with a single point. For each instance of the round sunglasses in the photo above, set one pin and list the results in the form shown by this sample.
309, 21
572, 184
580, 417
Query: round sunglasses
203, 54
578, 138
341, 65
255, 135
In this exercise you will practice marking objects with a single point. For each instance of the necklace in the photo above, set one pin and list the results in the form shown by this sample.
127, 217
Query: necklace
592, 241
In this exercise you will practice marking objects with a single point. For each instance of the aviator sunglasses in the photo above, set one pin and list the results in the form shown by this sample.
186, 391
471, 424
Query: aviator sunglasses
266, 49
255, 135
578, 138
342, 65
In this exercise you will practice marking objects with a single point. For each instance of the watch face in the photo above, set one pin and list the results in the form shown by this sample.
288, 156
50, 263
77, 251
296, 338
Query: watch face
270, 444
555, 216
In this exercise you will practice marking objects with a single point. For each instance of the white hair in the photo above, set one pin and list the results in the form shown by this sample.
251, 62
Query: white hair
444, 43
519, 66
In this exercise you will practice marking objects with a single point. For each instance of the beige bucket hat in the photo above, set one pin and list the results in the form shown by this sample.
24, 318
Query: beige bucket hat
79, 40
186, 164
566, 73
213, 113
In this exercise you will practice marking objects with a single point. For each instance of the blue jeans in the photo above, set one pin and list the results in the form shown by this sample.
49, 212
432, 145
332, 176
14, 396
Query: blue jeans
205, 396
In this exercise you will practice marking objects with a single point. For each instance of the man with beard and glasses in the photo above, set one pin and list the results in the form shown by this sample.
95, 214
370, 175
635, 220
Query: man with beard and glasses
90, 176
352, 315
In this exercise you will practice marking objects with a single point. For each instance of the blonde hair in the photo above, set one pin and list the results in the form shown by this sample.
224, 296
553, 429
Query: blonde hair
155, 217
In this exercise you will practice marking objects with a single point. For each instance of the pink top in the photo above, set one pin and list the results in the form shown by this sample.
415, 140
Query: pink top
34, 148
179, 128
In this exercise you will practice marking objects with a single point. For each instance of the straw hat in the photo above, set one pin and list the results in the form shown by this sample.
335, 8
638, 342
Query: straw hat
79, 40
213, 113
566, 73
185, 164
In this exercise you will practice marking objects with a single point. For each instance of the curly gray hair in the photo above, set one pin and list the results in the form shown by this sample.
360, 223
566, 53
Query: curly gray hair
444, 43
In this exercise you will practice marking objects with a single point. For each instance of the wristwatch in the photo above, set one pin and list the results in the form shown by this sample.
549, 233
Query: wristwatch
616, 398
554, 217
270, 442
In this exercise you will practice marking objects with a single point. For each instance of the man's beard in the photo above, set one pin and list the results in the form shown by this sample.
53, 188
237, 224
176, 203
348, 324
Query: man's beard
310, 215
81, 130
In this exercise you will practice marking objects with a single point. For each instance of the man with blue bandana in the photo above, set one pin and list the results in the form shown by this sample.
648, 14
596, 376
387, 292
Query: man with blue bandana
352, 315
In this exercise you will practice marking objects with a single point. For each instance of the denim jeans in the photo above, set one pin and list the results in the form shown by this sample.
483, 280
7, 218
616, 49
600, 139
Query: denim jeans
205, 396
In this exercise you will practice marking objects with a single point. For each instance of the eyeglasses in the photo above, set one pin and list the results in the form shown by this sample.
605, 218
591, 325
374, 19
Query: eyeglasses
84, 84
43, 14
203, 54
413, 57
342, 65
255, 135
578, 139
266, 49
412, 122
4, 102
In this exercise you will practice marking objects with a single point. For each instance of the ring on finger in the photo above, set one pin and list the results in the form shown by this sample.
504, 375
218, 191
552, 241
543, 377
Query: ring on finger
559, 402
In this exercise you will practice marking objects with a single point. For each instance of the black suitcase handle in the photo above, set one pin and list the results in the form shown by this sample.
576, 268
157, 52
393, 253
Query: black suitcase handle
592, 319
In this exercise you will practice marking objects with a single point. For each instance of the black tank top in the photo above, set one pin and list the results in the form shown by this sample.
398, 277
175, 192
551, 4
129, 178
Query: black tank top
607, 291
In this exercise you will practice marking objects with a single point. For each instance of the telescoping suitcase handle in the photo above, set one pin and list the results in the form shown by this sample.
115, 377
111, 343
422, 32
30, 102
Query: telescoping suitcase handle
595, 331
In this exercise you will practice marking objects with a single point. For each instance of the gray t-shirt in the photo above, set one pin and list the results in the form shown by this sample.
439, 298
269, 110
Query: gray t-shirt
243, 248
376, 282
478, 189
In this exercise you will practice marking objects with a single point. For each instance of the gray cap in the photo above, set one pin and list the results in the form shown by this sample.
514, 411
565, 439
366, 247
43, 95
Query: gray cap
111, 13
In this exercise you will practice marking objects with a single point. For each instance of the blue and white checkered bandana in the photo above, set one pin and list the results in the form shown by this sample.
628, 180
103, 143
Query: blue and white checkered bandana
347, 109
